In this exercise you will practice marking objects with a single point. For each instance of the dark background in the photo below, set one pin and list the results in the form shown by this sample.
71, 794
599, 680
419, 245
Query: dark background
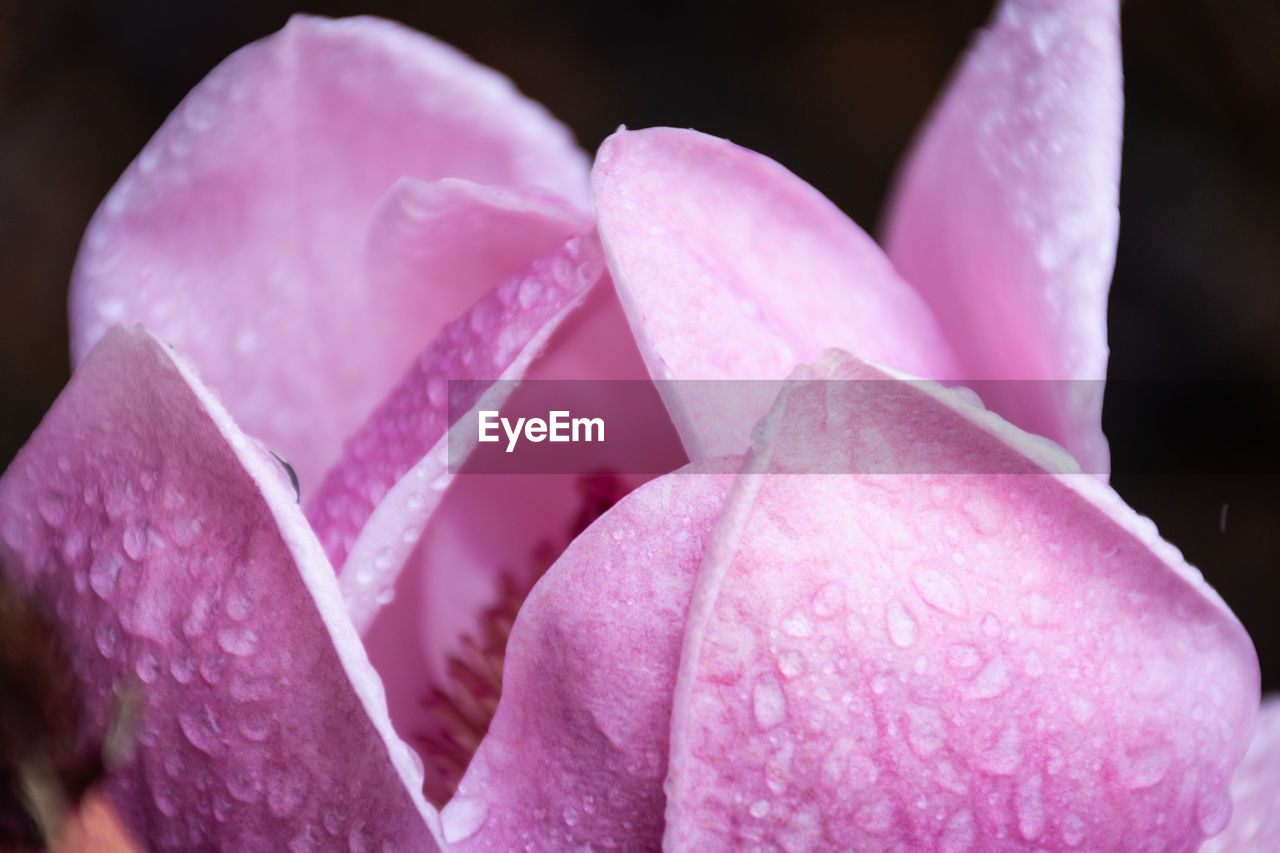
833, 90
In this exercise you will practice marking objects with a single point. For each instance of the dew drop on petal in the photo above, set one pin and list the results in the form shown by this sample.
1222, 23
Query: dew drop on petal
768, 702
901, 624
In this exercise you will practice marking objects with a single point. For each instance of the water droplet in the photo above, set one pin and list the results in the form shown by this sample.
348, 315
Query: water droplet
147, 666
791, 664
759, 808
941, 592
107, 638
238, 606
52, 508
306, 841
286, 791
530, 292
828, 602
875, 817
334, 819
182, 670
103, 572
1073, 830
416, 501
164, 799
926, 732
957, 836
992, 680
901, 624
1003, 756
797, 625
1038, 611
359, 840
1213, 811
238, 640
136, 541
963, 656
1144, 766
768, 702
256, 724
1028, 802
201, 728
570, 816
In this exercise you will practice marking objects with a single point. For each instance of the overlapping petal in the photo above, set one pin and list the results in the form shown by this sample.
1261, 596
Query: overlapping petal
1005, 217
170, 552
577, 752
944, 660
373, 506
731, 267
239, 232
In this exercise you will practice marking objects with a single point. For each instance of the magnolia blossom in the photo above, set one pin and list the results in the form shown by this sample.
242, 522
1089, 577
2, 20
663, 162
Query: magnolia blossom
348, 233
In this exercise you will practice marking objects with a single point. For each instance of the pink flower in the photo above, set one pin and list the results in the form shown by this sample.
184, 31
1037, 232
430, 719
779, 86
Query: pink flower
998, 654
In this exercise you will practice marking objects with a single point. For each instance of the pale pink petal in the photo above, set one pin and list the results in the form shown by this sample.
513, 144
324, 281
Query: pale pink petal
488, 527
945, 662
577, 752
1255, 790
731, 267
1005, 216
238, 233
373, 506
172, 556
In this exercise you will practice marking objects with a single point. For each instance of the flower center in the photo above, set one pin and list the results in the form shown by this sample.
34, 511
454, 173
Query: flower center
460, 711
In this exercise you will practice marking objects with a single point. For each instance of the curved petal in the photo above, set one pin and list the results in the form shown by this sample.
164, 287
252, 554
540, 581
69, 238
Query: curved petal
172, 555
577, 751
731, 267
1255, 790
238, 232
1005, 216
490, 529
943, 661
373, 506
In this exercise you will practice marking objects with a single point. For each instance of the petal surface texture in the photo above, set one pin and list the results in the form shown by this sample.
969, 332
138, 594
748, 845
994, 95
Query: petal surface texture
1255, 822
1005, 216
577, 752
170, 551
239, 233
989, 661
731, 267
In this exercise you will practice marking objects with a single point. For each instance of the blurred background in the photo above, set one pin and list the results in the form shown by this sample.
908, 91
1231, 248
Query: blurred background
834, 91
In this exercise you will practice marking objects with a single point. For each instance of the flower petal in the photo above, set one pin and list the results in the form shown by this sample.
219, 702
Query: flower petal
939, 661
373, 506
238, 232
490, 529
1255, 823
731, 267
1005, 217
172, 555
577, 751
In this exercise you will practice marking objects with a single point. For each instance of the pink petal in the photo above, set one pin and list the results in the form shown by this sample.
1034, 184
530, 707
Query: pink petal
373, 506
577, 751
1005, 217
238, 233
488, 526
945, 662
170, 551
1255, 823
731, 267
